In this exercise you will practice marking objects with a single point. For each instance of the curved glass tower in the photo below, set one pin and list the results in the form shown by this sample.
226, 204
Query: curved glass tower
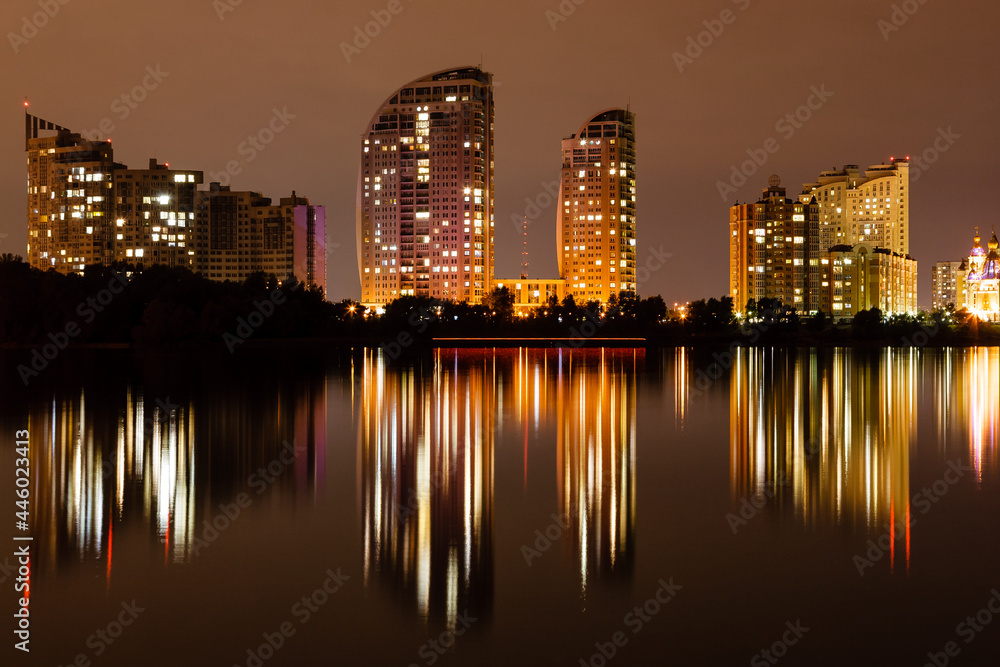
425, 191
595, 233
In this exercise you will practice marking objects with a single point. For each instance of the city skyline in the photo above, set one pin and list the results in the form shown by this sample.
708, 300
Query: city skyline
522, 333
692, 138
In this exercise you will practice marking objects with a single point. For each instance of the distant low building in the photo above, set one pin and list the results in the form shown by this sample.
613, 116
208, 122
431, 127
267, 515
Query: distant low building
530, 293
241, 232
948, 285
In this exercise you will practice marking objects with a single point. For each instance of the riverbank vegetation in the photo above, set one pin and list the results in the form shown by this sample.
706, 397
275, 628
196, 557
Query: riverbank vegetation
162, 306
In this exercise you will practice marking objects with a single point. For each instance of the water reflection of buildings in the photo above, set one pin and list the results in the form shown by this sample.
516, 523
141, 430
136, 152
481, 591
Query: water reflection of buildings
107, 464
425, 444
682, 385
596, 422
967, 404
426, 457
826, 432
96, 463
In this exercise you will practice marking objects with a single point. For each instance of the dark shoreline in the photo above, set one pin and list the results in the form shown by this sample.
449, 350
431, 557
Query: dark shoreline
940, 340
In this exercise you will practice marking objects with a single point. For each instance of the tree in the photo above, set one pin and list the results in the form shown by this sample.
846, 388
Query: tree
402, 312
819, 321
569, 310
256, 282
651, 310
627, 301
611, 311
548, 311
868, 324
348, 309
714, 314
500, 302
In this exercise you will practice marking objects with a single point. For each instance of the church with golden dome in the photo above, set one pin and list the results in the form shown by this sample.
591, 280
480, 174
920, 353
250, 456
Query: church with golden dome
982, 279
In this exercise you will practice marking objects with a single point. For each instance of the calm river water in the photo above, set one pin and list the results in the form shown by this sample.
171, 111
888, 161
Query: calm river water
507, 507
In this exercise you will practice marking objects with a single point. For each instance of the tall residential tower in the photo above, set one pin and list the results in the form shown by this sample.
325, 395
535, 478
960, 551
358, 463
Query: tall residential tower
781, 248
70, 199
774, 250
871, 208
425, 191
154, 215
595, 233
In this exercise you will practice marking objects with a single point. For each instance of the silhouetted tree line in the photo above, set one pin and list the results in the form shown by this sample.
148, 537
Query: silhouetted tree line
769, 321
124, 303
158, 305
625, 315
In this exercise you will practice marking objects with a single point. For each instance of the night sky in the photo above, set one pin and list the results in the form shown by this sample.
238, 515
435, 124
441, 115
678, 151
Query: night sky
896, 89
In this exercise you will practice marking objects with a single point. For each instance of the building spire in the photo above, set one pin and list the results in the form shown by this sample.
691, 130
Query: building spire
524, 248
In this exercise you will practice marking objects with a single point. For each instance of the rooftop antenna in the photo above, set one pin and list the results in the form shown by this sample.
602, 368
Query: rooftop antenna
524, 248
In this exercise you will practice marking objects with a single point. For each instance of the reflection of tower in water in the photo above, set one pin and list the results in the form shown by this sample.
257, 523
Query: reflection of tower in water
122, 461
94, 465
967, 403
596, 425
828, 433
425, 443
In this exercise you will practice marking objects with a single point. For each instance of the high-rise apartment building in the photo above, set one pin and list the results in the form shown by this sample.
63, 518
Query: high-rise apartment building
842, 248
70, 199
154, 216
308, 240
860, 277
774, 251
870, 208
84, 208
241, 232
425, 191
948, 285
596, 228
